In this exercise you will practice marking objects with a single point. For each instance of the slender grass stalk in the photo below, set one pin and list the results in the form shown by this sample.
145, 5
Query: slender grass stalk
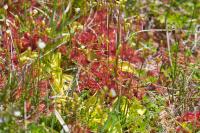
25, 117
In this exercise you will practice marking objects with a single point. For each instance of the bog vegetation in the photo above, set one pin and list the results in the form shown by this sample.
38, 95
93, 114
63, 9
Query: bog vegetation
109, 66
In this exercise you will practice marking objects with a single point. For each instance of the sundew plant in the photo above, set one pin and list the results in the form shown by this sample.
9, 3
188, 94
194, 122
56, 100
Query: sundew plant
99, 66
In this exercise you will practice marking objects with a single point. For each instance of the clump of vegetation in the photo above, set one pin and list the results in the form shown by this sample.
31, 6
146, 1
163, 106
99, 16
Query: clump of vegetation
99, 66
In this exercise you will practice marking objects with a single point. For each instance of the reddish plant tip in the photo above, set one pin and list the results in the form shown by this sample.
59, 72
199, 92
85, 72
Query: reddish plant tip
153, 73
79, 57
86, 38
2, 81
31, 41
41, 107
43, 86
63, 49
190, 117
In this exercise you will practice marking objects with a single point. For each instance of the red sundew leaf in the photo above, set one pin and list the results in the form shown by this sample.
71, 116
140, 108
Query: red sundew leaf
82, 81
104, 49
86, 38
79, 56
101, 29
41, 107
99, 78
59, 21
88, 82
110, 34
45, 38
2, 67
198, 115
51, 108
112, 85
153, 73
102, 72
15, 59
82, 59
136, 59
130, 83
63, 49
191, 116
28, 106
100, 16
18, 92
34, 41
93, 84
2, 54
112, 48
43, 87
140, 94
29, 40
95, 66
31, 92
39, 20
26, 41
27, 35
74, 41
2, 81
125, 75
101, 53
128, 54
